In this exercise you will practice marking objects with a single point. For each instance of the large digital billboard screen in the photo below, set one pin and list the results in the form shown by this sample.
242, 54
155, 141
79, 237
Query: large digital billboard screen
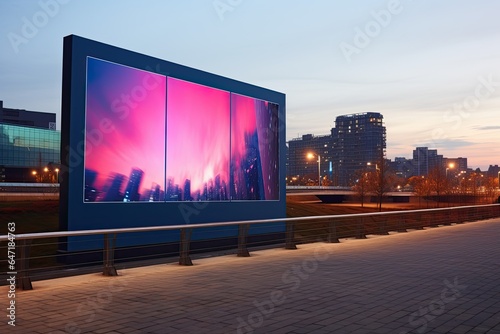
144, 140
173, 140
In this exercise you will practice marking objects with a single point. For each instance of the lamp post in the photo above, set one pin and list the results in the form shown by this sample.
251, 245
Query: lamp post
57, 174
450, 166
34, 174
310, 156
46, 170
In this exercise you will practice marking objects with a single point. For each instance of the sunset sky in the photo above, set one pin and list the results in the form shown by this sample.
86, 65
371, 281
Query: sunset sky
430, 67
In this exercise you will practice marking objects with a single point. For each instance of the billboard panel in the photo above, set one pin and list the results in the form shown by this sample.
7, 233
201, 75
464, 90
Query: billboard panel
147, 142
254, 149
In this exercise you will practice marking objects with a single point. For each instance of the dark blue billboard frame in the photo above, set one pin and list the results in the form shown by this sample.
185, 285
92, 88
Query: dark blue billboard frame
75, 214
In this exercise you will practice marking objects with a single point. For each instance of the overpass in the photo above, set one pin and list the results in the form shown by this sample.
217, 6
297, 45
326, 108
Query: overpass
343, 194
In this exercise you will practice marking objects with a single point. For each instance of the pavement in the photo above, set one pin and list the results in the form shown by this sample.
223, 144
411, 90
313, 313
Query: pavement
437, 280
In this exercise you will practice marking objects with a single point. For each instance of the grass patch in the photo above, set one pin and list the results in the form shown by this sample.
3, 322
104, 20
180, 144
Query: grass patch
32, 217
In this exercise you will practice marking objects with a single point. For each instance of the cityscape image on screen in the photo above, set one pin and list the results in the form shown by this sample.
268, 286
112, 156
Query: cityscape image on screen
124, 133
153, 138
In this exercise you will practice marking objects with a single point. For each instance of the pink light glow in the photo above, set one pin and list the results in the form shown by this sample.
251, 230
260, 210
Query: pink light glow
198, 127
125, 123
243, 121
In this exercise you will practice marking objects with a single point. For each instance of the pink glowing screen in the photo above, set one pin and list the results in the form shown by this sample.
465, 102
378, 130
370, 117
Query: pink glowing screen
151, 138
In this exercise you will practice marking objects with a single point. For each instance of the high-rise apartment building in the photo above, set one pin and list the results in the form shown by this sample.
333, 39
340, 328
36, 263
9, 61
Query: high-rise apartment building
358, 139
425, 160
302, 157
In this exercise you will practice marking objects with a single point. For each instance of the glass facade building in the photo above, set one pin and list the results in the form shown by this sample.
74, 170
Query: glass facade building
28, 154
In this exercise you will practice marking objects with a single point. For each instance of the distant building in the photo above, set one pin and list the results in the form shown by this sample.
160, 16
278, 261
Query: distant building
113, 187
494, 171
32, 119
425, 160
403, 167
134, 183
302, 157
29, 146
358, 139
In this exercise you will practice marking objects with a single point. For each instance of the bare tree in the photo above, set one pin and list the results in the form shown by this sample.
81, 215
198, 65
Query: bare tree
421, 187
438, 182
381, 181
361, 185
490, 189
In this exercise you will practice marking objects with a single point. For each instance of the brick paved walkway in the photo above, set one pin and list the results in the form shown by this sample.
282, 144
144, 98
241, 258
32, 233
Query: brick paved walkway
440, 280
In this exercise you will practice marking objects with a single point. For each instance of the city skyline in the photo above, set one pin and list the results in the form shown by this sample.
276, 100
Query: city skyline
437, 83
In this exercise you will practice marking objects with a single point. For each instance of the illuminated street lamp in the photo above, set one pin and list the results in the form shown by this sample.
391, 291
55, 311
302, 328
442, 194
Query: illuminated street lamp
310, 156
450, 166
57, 174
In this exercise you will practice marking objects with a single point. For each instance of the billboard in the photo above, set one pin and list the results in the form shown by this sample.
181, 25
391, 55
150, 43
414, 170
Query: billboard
147, 142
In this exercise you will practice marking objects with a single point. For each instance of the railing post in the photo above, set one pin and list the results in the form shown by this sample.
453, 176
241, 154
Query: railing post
401, 224
332, 232
184, 259
446, 218
434, 220
242, 240
109, 255
361, 229
23, 280
383, 228
458, 216
419, 225
289, 236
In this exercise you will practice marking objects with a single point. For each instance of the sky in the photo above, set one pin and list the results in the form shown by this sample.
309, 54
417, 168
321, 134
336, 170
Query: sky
430, 67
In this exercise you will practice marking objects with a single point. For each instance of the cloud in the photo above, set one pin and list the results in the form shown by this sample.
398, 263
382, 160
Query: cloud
448, 144
488, 127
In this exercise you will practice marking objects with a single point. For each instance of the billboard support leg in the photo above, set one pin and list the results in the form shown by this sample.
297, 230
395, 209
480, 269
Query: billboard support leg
109, 255
242, 240
23, 280
184, 259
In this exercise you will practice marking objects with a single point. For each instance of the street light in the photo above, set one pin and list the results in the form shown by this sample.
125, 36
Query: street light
57, 174
369, 164
450, 166
310, 156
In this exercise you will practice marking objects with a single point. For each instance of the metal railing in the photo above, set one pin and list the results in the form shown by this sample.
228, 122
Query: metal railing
330, 228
